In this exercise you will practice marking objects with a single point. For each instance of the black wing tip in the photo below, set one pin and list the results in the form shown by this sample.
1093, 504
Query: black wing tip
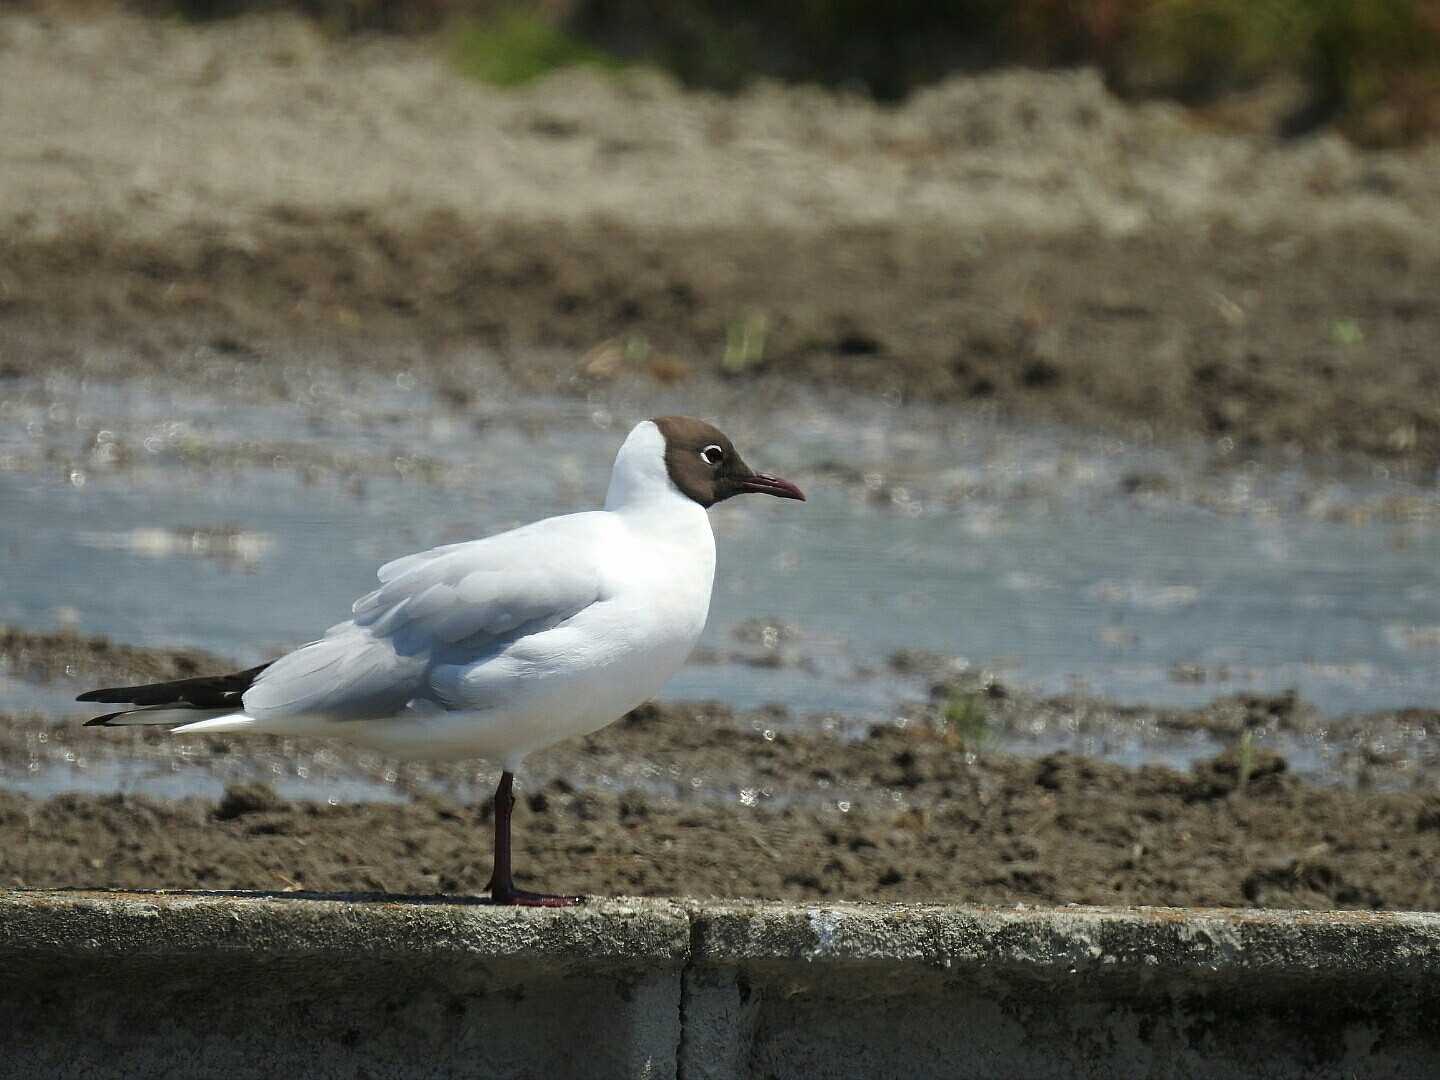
103, 721
106, 695
201, 692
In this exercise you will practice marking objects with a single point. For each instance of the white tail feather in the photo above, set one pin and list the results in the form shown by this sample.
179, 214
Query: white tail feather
155, 715
216, 724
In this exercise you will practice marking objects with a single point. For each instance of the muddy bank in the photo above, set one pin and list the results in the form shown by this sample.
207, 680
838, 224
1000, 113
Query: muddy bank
1057, 829
43, 657
699, 800
1022, 242
697, 750
1322, 347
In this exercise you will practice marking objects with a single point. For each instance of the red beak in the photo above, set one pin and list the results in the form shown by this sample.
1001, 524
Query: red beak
771, 485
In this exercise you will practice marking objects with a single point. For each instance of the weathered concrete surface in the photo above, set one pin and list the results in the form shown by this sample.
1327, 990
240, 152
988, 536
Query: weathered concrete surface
1072, 992
200, 985
102, 985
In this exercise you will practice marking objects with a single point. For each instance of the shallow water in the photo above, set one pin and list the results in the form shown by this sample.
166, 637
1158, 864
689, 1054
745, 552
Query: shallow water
244, 524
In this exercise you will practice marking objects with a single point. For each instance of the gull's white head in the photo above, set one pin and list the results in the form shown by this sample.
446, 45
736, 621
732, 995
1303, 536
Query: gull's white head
672, 456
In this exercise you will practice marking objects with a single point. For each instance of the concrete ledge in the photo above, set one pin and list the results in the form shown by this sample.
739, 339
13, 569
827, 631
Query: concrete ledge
1069, 992
1068, 941
88, 925
191, 984
202, 985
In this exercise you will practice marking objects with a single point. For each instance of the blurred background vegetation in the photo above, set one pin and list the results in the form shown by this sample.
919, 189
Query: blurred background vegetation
1370, 67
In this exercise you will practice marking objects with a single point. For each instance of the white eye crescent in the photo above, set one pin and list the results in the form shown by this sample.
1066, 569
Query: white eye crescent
712, 455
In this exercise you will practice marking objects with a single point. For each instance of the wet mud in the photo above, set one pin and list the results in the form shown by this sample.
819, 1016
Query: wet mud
699, 800
932, 822
705, 750
45, 656
1126, 337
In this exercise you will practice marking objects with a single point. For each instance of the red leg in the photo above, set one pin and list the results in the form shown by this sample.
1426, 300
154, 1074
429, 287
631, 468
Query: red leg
502, 885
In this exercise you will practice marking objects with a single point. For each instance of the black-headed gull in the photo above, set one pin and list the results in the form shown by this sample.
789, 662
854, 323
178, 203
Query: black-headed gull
498, 647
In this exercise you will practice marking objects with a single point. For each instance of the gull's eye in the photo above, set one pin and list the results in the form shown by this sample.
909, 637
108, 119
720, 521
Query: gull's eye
712, 455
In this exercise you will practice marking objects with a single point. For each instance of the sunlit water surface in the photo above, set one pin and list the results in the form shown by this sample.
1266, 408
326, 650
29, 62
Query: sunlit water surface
1057, 562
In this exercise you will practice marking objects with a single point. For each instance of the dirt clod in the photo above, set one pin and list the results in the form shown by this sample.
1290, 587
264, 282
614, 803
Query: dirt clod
242, 799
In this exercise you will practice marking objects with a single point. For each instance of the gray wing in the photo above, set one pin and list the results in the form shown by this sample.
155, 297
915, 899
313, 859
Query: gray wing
451, 603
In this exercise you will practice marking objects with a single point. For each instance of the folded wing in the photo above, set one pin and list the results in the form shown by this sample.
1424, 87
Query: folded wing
450, 605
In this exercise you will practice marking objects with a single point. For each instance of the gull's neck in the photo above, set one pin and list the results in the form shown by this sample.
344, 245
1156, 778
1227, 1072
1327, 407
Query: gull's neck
669, 533
640, 482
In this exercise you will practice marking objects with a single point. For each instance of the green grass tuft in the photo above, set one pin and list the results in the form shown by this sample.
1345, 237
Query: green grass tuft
745, 343
1247, 760
967, 721
517, 48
